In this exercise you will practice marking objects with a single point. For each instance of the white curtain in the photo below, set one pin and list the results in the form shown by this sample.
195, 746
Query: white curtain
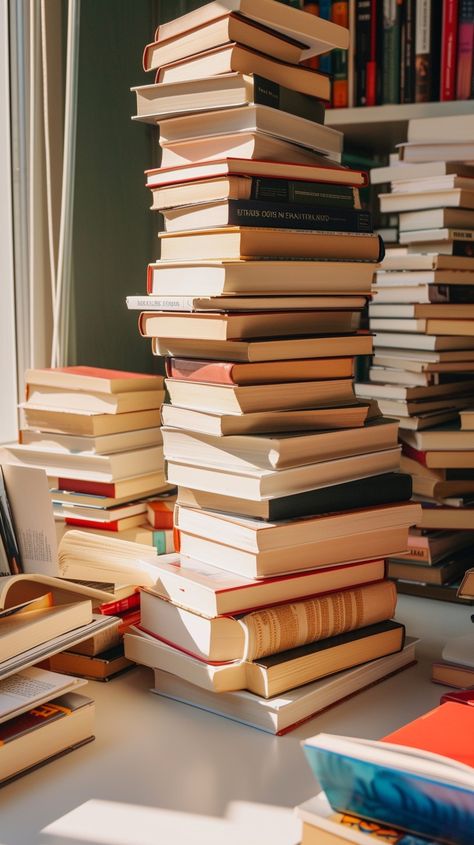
44, 109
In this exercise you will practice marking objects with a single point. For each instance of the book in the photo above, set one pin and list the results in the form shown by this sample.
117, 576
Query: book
270, 676
212, 591
443, 459
93, 380
431, 547
281, 714
107, 493
367, 85
322, 826
421, 130
105, 639
322, 171
38, 620
423, 776
391, 63
450, 518
236, 212
230, 90
280, 451
452, 674
44, 733
449, 39
466, 588
444, 207
224, 304
227, 372
431, 326
367, 492
266, 564
467, 419
253, 351
316, 34
406, 392
432, 170
413, 151
265, 631
459, 650
82, 555
415, 311
418, 261
31, 688
271, 484
101, 514
443, 438
56, 398
252, 119
87, 425
437, 592
100, 468
98, 667
105, 444
222, 30
427, 50
246, 278
450, 568
465, 50
240, 326
431, 343
437, 218
253, 242
160, 513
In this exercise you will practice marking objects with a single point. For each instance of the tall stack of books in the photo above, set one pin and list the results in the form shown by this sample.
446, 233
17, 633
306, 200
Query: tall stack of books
97, 435
422, 371
288, 496
413, 787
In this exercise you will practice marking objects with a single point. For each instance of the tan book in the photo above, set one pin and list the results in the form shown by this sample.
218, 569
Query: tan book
317, 34
268, 630
418, 422
254, 278
277, 451
267, 372
441, 129
218, 32
447, 518
235, 326
88, 555
224, 304
419, 407
211, 591
235, 58
253, 118
263, 422
432, 170
267, 484
93, 379
243, 145
96, 667
462, 311
263, 397
276, 674
257, 243
88, 424
322, 171
466, 588
452, 675
55, 398
402, 260
253, 351
421, 342
92, 468
431, 326
441, 573
38, 620
432, 200
467, 419
447, 438
103, 445
103, 640
391, 391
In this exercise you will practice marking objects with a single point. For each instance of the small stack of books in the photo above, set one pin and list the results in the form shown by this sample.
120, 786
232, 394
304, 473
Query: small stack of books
414, 787
41, 714
97, 435
422, 372
287, 489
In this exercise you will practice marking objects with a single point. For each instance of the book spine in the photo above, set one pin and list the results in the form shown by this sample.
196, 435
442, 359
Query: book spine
340, 86
90, 523
407, 68
292, 216
161, 515
114, 608
268, 93
309, 193
366, 69
449, 36
277, 629
94, 488
214, 372
391, 51
465, 64
422, 51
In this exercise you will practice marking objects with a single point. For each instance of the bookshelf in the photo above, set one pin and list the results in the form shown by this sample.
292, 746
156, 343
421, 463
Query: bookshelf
378, 128
156, 762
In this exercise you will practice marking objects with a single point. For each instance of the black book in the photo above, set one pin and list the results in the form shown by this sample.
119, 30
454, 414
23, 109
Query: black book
388, 488
439, 592
407, 52
305, 193
268, 93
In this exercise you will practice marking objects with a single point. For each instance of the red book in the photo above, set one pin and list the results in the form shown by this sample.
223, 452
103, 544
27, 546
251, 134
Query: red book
414, 454
465, 50
160, 513
446, 730
449, 38
267, 372
121, 606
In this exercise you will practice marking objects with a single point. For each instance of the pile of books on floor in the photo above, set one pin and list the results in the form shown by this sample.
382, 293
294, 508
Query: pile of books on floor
97, 435
41, 714
413, 787
288, 493
422, 372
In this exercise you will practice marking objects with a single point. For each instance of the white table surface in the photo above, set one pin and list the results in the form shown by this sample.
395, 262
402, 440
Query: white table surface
160, 772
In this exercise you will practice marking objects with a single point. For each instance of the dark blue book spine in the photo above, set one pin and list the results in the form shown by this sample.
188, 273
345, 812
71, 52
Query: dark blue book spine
274, 215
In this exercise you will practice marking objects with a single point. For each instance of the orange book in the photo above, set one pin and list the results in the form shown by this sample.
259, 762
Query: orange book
160, 513
446, 730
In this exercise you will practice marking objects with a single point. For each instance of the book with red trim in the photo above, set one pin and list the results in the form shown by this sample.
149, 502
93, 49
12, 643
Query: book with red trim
449, 38
368, 75
120, 606
227, 372
137, 486
465, 51
95, 379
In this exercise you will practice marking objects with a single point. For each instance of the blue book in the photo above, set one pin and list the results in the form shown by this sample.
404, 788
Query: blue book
422, 793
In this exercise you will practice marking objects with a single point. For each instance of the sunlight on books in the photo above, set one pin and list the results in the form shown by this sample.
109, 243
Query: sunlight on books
109, 823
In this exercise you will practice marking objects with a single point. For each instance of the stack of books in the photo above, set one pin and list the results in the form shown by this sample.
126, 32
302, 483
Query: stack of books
414, 787
97, 435
422, 372
287, 485
41, 713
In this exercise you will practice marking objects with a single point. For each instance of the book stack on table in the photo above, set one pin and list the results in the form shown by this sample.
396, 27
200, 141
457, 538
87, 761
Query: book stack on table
41, 713
422, 372
413, 787
97, 435
288, 495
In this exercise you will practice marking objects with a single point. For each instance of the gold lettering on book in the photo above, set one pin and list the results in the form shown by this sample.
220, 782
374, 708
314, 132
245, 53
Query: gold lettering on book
276, 629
